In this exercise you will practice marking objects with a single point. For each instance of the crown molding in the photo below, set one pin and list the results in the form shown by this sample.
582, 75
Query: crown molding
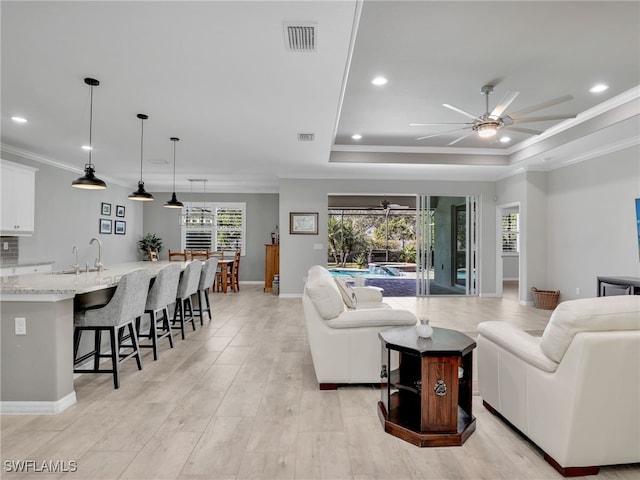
20, 152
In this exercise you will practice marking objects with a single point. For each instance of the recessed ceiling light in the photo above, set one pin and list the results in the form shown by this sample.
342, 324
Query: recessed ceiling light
86, 147
505, 139
600, 87
356, 136
379, 81
19, 119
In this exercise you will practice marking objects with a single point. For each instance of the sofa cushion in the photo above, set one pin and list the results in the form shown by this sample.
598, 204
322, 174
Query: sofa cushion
588, 315
326, 297
378, 317
348, 294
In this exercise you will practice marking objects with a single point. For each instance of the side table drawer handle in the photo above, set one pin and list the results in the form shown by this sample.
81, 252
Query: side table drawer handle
440, 388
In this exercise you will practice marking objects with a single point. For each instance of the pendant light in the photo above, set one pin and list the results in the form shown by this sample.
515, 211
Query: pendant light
174, 203
89, 181
141, 194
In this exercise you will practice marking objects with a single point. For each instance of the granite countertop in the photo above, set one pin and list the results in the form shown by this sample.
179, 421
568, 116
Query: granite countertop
56, 283
26, 263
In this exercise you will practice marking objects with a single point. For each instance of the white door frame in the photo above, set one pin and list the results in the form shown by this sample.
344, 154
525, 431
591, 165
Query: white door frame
500, 209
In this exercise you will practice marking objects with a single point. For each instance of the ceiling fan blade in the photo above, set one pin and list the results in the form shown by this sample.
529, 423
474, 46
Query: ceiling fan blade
503, 104
428, 124
456, 109
540, 106
543, 118
523, 130
441, 133
461, 138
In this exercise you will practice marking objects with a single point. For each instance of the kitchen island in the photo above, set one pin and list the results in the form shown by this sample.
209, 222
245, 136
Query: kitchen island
36, 356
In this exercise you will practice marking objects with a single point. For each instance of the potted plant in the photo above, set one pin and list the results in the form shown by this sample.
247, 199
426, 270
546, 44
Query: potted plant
150, 240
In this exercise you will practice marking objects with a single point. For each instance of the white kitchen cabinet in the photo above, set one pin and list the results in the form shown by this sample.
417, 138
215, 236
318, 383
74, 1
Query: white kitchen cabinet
18, 198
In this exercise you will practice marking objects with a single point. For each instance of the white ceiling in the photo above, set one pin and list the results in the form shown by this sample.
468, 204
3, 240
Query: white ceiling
219, 76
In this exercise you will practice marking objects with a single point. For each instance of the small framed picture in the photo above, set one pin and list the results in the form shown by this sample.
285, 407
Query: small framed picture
105, 225
303, 223
120, 227
106, 209
120, 211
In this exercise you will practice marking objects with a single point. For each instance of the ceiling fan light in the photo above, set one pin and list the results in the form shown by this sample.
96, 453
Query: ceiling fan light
487, 130
89, 181
141, 194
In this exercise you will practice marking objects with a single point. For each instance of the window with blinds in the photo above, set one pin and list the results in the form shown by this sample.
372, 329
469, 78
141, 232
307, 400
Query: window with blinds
511, 232
215, 226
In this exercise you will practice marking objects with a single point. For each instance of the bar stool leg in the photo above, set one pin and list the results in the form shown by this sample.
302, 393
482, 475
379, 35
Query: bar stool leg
115, 349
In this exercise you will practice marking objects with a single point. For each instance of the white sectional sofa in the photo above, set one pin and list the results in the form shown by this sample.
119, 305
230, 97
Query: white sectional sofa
575, 391
343, 337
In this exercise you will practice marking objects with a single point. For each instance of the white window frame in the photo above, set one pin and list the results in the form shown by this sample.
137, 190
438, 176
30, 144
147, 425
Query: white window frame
506, 231
213, 207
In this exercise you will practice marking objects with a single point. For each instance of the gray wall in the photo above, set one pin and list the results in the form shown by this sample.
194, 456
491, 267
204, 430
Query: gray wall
262, 218
67, 216
592, 223
576, 222
299, 252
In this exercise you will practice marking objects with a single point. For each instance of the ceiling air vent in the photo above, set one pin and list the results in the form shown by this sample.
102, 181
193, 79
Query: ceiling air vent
306, 137
300, 37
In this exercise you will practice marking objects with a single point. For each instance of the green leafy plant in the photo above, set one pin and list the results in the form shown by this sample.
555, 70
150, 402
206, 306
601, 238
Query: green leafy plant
150, 240
360, 260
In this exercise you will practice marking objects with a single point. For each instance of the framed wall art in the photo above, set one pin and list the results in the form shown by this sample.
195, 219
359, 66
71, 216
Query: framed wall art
120, 211
120, 227
303, 223
105, 226
105, 209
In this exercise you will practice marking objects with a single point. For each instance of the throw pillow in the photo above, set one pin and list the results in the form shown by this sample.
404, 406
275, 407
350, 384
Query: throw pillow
326, 298
348, 294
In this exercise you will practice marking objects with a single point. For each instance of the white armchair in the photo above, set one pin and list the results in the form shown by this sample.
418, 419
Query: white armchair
343, 339
575, 391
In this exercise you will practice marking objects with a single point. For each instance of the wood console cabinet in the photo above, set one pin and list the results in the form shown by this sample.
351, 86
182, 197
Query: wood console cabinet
271, 264
426, 397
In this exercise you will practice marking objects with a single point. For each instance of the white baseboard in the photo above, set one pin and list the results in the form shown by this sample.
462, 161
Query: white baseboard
290, 295
251, 282
38, 408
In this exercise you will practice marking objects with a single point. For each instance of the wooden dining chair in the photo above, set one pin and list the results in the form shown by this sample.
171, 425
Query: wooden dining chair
177, 256
235, 272
202, 255
153, 254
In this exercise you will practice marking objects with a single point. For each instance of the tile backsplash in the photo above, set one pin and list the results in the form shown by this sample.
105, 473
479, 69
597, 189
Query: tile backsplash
8, 250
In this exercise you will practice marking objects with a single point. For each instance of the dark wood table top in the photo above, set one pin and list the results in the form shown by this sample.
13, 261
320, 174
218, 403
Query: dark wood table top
443, 342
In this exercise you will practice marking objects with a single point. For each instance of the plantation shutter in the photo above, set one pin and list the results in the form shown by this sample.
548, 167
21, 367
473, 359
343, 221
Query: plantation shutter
510, 232
226, 231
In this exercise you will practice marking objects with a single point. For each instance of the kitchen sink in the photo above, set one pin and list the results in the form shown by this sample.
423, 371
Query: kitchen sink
72, 272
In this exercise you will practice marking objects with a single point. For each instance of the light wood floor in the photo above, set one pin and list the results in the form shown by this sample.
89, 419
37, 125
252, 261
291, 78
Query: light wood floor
238, 400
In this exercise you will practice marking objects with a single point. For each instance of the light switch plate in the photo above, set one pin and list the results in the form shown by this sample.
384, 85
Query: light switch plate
317, 246
21, 326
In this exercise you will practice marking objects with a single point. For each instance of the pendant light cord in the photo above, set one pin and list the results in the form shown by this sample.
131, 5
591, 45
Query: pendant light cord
141, 144
174, 166
90, 122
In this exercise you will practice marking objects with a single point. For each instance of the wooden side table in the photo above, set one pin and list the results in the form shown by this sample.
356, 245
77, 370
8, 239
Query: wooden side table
426, 396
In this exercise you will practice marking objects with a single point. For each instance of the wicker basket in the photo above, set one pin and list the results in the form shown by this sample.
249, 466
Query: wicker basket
545, 299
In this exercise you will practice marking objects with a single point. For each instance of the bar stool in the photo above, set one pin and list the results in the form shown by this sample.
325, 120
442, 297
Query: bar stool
187, 287
207, 279
126, 305
162, 293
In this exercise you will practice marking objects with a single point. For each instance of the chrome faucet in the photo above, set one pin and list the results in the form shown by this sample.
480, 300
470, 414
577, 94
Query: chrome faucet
98, 264
76, 267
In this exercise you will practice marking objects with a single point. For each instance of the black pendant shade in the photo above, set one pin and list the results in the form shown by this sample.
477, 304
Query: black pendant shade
141, 194
89, 181
174, 202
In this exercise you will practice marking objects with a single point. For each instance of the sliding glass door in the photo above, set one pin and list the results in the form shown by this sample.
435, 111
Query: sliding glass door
446, 245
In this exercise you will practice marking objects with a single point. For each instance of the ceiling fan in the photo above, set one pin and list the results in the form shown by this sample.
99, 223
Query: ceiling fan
488, 124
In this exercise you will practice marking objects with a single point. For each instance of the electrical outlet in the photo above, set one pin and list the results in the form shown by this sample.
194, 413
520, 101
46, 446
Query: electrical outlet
317, 246
577, 290
21, 326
